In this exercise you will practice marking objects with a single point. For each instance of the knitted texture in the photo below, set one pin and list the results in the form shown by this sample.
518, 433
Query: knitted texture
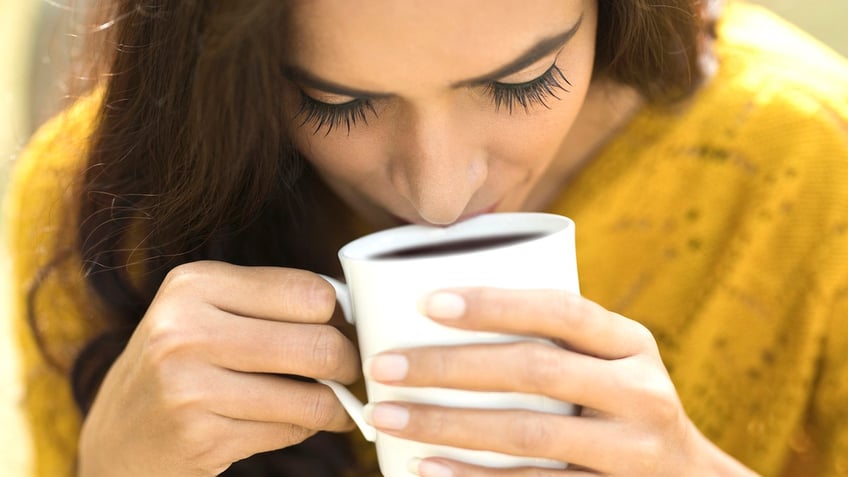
721, 224
38, 203
723, 227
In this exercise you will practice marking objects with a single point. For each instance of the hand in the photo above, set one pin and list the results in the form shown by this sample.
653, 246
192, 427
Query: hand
632, 422
198, 386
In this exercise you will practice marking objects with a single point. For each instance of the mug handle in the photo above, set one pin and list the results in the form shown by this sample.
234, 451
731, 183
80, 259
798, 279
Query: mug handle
351, 404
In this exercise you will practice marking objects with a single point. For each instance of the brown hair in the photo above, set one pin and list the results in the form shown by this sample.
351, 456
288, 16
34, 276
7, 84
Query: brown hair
189, 160
652, 45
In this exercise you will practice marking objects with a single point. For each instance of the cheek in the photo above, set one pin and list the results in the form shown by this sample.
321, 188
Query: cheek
333, 154
537, 136
339, 155
534, 139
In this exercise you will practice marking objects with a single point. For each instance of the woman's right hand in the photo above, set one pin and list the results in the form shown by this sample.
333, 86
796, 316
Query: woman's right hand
198, 386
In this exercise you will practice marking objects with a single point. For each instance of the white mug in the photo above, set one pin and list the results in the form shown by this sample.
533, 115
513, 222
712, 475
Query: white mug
388, 273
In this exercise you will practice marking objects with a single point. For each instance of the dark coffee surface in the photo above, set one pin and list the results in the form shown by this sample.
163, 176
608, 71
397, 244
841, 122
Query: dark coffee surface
457, 246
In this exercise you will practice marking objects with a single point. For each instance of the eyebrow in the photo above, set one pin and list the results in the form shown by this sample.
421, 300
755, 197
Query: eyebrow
310, 80
533, 54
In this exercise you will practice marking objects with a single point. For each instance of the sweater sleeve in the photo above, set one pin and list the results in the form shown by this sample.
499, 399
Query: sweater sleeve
46, 283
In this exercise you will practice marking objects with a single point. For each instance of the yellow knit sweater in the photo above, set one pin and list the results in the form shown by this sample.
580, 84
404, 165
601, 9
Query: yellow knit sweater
721, 225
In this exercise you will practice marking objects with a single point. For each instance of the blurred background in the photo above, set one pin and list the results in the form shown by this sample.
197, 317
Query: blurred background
38, 39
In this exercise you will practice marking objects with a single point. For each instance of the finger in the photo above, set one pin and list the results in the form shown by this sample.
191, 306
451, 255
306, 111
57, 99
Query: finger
634, 386
438, 467
246, 438
269, 398
251, 345
271, 293
588, 442
577, 322
262, 346
527, 367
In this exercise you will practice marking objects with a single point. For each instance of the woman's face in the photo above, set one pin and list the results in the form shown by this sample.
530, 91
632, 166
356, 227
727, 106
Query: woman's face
432, 112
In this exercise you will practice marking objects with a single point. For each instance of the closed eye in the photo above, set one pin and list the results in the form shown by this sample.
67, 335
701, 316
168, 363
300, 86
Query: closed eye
333, 116
528, 94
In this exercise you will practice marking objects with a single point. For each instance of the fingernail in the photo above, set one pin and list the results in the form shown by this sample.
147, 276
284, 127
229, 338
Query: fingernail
386, 367
445, 306
386, 416
427, 468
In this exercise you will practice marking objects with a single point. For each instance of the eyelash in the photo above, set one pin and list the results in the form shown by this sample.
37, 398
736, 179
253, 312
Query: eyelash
505, 95
531, 93
332, 116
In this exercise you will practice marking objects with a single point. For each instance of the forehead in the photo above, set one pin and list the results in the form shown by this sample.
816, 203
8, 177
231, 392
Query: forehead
353, 41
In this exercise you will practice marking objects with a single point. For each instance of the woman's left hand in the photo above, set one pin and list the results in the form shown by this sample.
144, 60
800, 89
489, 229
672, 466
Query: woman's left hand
632, 422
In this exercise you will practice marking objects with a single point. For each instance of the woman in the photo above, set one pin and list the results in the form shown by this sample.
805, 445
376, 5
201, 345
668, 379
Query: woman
233, 146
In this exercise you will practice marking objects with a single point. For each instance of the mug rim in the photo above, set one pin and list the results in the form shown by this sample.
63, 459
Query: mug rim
369, 247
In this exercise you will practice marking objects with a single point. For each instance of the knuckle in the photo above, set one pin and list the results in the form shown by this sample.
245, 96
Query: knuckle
322, 295
184, 399
295, 435
187, 275
656, 391
668, 411
320, 412
165, 337
172, 322
199, 444
175, 393
541, 366
528, 434
644, 335
168, 333
648, 458
666, 406
437, 364
438, 424
166, 360
579, 312
316, 296
328, 351
483, 305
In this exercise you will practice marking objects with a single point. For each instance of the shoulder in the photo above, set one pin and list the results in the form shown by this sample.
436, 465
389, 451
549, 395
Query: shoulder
60, 144
39, 223
765, 139
777, 107
38, 206
782, 102
777, 64
41, 183
777, 94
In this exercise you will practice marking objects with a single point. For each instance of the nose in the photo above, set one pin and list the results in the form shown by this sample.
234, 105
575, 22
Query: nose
437, 163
